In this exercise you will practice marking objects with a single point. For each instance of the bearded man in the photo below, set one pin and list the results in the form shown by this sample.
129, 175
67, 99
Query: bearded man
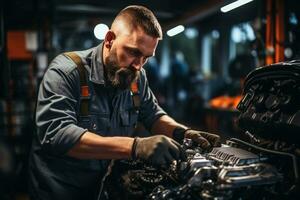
88, 105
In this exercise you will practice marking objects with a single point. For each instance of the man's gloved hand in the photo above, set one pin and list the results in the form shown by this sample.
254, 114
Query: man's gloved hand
204, 139
157, 150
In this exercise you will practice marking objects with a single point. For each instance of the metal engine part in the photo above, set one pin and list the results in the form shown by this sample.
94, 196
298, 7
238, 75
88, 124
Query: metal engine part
233, 171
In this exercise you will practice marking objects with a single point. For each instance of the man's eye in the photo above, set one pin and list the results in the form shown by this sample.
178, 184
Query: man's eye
134, 53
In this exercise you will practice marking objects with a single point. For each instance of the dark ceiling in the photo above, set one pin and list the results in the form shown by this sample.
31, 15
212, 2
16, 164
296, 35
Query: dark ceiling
30, 13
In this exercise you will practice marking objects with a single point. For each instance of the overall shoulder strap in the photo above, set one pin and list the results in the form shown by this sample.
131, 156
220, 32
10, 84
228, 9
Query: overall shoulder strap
84, 88
135, 95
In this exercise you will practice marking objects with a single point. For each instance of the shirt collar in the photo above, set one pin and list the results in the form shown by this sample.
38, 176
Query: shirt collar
97, 67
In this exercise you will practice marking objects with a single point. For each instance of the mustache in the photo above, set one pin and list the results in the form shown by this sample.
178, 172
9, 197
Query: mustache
124, 76
125, 72
128, 71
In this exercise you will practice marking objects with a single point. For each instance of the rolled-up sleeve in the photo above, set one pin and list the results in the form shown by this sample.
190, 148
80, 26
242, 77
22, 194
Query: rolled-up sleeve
57, 104
150, 110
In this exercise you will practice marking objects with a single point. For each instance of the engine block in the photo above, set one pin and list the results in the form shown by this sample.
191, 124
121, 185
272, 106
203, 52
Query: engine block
236, 170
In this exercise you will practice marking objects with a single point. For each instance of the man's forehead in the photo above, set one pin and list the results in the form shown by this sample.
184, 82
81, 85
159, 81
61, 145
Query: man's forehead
145, 43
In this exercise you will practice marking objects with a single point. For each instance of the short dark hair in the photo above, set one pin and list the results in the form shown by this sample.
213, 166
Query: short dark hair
140, 16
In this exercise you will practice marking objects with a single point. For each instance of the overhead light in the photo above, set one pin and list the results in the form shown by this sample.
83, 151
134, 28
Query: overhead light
100, 31
234, 5
176, 30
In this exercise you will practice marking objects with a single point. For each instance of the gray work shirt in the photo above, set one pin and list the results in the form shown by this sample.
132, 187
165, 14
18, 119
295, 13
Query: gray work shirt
53, 174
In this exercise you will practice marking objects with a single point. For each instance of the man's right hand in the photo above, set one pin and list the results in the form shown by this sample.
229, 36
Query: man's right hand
157, 150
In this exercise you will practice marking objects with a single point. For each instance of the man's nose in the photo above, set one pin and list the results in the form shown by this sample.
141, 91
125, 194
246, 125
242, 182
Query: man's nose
138, 63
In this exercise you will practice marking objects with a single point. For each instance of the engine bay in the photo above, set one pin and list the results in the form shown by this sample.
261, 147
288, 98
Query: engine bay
236, 170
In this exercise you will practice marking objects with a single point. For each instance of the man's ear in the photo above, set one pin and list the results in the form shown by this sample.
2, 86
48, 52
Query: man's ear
109, 38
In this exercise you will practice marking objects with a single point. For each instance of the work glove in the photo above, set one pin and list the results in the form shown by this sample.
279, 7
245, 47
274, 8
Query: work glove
157, 150
203, 139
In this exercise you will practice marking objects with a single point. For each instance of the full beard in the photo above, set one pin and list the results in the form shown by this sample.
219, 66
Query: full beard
120, 77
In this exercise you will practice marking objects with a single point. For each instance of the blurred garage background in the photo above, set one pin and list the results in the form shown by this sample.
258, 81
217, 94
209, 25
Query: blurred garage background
196, 75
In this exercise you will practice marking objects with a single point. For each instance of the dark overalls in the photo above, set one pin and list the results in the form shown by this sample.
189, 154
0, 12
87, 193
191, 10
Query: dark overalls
54, 175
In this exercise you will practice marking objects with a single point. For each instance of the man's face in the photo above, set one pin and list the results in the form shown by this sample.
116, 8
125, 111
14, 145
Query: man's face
128, 54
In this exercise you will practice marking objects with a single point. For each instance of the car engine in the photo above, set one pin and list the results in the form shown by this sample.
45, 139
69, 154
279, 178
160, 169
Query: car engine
236, 170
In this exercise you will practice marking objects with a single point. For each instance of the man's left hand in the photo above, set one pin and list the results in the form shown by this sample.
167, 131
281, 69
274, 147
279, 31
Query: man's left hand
204, 139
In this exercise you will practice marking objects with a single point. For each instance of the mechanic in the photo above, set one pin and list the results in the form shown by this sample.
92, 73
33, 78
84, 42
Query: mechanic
88, 105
